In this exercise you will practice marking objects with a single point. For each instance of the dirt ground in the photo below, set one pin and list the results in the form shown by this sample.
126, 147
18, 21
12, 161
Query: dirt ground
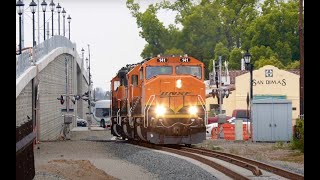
72, 159
74, 169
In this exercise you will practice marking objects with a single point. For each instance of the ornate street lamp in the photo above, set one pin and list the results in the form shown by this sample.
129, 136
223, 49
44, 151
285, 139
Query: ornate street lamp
52, 9
44, 6
64, 15
33, 6
59, 10
69, 20
249, 66
82, 52
20, 11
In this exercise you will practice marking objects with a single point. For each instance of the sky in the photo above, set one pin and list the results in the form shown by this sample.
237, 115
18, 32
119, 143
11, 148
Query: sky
106, 25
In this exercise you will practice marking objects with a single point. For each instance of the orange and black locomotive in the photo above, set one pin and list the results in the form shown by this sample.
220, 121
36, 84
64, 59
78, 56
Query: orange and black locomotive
160, 100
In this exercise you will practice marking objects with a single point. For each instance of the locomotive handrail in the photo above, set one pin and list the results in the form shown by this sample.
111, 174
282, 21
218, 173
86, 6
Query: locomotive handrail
204, 109
135, 104
144, 121
176, 124
118, 117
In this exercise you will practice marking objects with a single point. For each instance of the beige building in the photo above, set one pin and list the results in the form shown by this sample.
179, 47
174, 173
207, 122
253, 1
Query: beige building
268, 81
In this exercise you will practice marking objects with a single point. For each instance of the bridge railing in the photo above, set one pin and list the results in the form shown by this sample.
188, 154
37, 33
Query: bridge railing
26, 58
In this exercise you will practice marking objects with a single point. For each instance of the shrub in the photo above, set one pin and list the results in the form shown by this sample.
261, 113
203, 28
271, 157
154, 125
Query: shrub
298, 137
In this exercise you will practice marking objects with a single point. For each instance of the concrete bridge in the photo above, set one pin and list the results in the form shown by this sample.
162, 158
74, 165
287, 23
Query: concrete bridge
44, 73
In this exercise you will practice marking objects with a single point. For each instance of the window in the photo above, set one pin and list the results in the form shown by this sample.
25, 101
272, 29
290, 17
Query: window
102, 112
141, 73
192, 70
152, 71
134, 80
116, 84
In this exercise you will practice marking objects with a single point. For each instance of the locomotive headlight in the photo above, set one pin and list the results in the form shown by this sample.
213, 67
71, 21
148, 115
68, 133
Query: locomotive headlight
193, 110
160, 110
179, 83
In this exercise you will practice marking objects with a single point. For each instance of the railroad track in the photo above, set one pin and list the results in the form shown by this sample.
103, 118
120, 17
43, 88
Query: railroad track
221, 155
251, 165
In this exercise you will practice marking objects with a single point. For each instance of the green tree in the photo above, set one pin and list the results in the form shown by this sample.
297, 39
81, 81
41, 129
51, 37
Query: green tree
293, 65
271, 32
235, 17
276, 28
174, 51
268, 61
202, 30
220, 50
260, 52
235, 59
153, 31
298, 137
207, 70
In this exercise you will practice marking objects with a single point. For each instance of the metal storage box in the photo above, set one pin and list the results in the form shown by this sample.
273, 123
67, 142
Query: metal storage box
272, 120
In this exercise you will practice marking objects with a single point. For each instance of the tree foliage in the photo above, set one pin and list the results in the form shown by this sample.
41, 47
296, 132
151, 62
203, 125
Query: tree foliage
293, 65
269, 30
298, 136
277, 28
268, 61
235, 59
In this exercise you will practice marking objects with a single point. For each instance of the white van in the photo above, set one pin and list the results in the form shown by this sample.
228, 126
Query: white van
101, 110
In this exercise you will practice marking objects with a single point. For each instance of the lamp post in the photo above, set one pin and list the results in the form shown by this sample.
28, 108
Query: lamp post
52, 9
20, 11
44, 6
88, 67
82, 52
59, 10
69, 20
249, 66
33, 6
64, 15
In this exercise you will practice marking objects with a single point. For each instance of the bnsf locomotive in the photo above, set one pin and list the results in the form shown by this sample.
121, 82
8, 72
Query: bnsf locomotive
160, 100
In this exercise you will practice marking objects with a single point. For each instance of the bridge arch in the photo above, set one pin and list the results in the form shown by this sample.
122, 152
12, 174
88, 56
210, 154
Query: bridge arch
41, 77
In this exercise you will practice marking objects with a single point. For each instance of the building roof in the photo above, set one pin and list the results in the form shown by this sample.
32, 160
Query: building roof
234, 73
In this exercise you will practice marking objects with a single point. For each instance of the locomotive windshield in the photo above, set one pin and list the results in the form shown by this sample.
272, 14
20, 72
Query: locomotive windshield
156, 70
192, 70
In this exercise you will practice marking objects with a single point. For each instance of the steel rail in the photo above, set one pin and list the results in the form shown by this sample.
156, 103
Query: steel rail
272, 169
254, 169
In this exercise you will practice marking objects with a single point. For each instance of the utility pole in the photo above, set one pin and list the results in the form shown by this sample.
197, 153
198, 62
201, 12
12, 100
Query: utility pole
220, 88
301, 42
89, 93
